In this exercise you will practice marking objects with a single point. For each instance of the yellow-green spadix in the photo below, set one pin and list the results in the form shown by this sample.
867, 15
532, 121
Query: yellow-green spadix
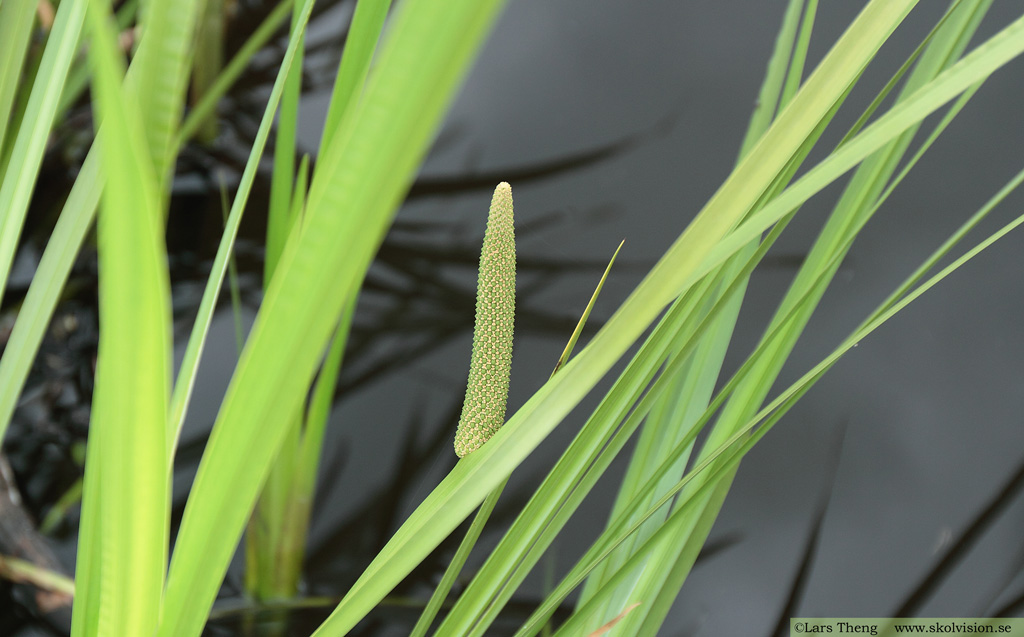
483, 411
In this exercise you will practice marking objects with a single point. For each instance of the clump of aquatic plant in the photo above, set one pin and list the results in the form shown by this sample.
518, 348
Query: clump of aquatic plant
331, 216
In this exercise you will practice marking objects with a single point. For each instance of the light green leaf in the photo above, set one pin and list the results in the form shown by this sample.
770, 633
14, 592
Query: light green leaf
20, 177
127, 495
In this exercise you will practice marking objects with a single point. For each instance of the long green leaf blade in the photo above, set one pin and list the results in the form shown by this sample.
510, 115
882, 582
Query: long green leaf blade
16, 17
20, 177
363, 37
164, 59
132, 492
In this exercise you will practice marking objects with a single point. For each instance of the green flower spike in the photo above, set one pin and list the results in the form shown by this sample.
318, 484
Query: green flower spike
483, 412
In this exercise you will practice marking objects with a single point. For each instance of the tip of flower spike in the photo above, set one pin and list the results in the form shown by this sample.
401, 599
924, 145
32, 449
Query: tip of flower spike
500, 217
501, 202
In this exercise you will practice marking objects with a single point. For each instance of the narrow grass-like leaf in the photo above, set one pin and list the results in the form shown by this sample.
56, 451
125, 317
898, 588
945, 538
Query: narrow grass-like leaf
299, 191
233, 286
209, 50
795, 74
361, 41
47, 283
363, 38
79, 213
444, 587
132, 492
16, 17
266, 572
197, 338
59, 510
279, 212
78, 76
320, 406
206, 107
164, 61
774, 78
303, 487
567, 352
24, 571
23, 167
